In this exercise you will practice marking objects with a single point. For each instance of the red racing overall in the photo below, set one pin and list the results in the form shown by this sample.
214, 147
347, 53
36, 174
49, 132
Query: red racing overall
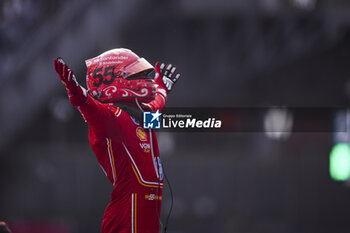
129, 156
127, 153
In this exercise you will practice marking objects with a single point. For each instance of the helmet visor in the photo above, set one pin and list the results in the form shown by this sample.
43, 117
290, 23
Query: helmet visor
139, 69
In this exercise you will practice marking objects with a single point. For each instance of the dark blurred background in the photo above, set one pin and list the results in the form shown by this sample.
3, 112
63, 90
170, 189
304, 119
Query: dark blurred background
231, 53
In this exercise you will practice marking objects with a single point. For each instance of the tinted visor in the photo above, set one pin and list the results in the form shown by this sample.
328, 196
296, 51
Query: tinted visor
147, 74
139, 69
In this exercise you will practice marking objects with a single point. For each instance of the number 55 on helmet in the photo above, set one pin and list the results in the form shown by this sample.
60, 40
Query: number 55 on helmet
120, 75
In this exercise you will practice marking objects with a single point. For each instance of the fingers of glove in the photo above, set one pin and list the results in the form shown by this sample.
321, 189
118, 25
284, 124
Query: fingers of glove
169, 75
173, 72
173, 75
61, 68
177, 76
167, 70
66, 75
162, 66
58, 66
60, 60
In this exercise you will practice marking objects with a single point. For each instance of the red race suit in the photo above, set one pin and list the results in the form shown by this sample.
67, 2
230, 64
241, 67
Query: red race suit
129, 156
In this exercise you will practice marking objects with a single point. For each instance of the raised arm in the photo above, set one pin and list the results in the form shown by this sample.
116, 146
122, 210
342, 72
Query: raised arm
165, 76
92, 111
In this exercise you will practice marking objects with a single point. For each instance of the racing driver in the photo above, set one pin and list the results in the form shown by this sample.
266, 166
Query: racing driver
121, 86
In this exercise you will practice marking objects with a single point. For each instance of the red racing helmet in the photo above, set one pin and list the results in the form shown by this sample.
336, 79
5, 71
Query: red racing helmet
120, 75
